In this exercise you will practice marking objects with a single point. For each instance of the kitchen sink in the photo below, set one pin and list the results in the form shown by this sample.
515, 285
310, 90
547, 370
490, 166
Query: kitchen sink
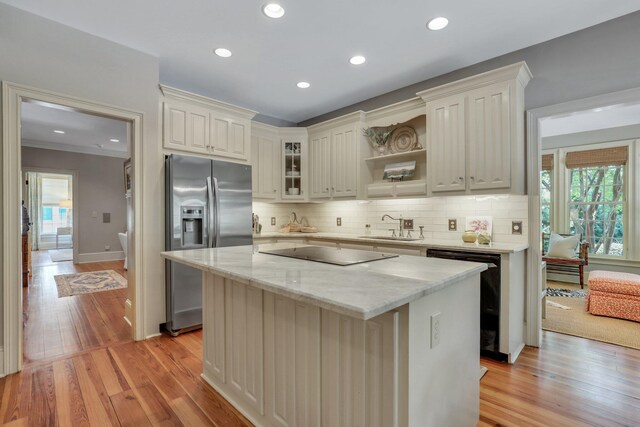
400, 239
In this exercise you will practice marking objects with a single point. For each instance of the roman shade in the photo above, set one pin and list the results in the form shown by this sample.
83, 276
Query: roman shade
602, 157
547, 162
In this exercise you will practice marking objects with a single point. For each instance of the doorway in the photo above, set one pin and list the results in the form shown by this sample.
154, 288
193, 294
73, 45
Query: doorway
562, 195
13, 97
76, 297
49, 201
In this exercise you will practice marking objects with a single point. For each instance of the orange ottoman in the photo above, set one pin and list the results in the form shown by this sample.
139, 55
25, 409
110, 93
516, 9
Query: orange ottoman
614, 294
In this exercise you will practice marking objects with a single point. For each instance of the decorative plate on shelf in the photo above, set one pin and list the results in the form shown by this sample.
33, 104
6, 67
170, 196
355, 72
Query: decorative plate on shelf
403, 139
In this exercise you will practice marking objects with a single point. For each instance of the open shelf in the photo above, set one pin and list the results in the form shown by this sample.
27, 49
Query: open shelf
397, 156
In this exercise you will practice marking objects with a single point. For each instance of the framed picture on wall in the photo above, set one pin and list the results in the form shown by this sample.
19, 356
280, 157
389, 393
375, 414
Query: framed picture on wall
127, 176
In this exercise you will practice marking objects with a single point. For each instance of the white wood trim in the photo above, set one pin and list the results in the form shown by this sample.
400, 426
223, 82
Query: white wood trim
347, 119
100, 256
519, 71
209, 102
533, 331
12, 96
74, 149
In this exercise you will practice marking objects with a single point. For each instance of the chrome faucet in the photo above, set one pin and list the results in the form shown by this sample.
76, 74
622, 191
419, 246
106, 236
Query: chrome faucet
401, 232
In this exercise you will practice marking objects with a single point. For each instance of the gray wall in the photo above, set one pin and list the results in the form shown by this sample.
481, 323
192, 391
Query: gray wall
100, 188
593, 61
44, 54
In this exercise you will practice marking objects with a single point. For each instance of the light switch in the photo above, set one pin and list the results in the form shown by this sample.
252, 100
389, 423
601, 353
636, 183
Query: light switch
106, 217
94, 214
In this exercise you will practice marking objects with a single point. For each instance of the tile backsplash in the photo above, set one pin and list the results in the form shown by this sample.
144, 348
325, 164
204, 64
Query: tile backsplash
432, 213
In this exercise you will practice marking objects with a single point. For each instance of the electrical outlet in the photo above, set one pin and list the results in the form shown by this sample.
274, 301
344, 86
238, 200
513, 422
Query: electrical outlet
273, 220
453, 224
407, 224
516, 227
339, 222
435, 330
107, 247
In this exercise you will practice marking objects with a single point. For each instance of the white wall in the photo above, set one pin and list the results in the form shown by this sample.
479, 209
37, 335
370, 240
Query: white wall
432, 213
47, 55
100, 186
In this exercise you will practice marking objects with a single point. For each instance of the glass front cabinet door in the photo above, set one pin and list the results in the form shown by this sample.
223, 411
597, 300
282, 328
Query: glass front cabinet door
293, 173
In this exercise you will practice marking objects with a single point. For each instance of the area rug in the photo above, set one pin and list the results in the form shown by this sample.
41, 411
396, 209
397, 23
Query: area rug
570, 293
58, 255
580, 323
85, 283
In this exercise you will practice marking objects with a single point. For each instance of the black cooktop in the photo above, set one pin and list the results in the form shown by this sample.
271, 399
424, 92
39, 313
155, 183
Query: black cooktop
334, 256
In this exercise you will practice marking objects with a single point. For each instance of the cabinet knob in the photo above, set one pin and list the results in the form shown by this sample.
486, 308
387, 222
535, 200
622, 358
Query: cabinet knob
275, 191
461, 178
326, 189
471, 178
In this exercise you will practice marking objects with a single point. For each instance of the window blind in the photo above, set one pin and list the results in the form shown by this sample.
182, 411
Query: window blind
547, 162
601, 157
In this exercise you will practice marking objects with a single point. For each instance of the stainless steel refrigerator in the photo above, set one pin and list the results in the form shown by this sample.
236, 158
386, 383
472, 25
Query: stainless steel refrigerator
207, 205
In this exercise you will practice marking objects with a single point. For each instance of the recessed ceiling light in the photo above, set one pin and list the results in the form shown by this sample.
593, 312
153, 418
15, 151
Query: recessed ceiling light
222, 52
58, 131
358, 60
437, 23
273, 10
303, 85
114, 140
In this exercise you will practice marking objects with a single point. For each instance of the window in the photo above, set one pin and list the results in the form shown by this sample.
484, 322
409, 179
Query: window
597, 207
597, 199
47, 214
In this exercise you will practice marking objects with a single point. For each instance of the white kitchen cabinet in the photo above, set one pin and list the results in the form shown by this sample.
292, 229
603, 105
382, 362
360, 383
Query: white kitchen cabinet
446, 144
489, 144
344, 162
333, 157
230, 137
320, 165
475, 138
265, 165
186, 127
200, 125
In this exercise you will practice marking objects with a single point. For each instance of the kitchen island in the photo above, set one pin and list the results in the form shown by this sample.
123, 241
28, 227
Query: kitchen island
291, 342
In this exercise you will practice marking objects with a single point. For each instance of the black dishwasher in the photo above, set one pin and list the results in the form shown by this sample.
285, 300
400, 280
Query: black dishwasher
489, 298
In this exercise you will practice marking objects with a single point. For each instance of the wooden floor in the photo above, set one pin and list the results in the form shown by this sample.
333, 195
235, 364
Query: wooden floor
55, 327
568, 382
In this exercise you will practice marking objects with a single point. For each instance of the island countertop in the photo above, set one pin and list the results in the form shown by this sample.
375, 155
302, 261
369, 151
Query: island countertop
361, 291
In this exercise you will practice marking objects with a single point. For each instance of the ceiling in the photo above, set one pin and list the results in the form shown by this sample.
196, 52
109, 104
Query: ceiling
315, 39
83, 133
596, 119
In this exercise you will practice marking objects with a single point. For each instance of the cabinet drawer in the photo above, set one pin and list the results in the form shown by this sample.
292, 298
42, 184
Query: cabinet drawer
380, 190
411, 188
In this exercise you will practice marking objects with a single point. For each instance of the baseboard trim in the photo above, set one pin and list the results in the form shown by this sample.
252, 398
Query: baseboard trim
153, 335
100, 256
2, 371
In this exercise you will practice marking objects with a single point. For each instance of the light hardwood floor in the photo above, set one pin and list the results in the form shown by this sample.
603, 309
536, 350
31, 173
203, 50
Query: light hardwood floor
55, 327
568, 382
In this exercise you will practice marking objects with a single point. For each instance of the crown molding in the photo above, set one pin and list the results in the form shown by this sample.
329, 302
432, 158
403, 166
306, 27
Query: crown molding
172, 92
519, 72
338, 121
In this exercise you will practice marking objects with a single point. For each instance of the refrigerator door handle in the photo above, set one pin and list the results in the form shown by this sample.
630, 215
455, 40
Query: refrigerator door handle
216, 199
210, 221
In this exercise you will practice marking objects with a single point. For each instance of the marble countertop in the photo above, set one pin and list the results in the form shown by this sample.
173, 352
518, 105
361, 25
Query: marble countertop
493, 247
362, 290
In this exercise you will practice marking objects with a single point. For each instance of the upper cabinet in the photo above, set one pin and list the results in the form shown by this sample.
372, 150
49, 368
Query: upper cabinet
333, 157
201, 125
475, 133
265, 164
